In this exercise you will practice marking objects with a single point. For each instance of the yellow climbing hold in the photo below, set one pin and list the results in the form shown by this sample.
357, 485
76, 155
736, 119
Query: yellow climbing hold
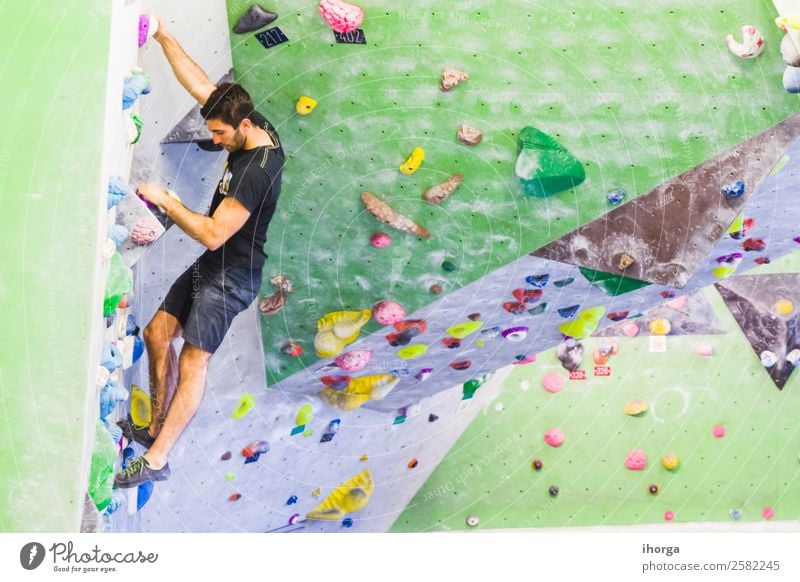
338, 329
462, 330
305, 105
660, 326
246, 404
316, 492
359, 391
304, 415
140, 407
635, 407
363, 458
348, 497
670, 461
585, 324
414, 351
230, 476
788, 21
737, 225
480, 343
724, 271
784, 306
413, 162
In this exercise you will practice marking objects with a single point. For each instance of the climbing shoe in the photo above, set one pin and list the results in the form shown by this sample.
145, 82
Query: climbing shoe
135, 433
139, 471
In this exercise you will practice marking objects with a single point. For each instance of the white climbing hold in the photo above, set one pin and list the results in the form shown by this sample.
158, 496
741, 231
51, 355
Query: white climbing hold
751, 46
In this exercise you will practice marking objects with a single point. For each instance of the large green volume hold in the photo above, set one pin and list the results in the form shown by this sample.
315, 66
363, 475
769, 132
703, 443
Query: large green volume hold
544, 166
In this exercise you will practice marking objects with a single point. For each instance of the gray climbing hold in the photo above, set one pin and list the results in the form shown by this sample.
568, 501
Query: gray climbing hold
256, 17
789, 52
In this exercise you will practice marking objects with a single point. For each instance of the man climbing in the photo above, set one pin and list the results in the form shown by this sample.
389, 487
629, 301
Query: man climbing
225, 280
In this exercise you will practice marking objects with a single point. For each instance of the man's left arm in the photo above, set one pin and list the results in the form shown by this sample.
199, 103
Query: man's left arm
210, 231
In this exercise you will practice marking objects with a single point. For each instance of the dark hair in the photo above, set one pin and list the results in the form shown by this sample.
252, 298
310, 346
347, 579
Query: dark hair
229, 103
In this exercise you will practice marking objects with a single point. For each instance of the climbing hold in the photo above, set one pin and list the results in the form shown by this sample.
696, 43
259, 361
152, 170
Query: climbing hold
380, 240
354, 360
630, 329
134, 86
246, 404
412, 464
537, 280
625, 261
451, 77
784, 306
342, 17
564, 282
462, 330
570, 354
413, 162
553, 491
295, 518
432, 418
515, 307
110, 396
636, 460
615, 197
463, 365
272, 304
146, 230
768, 359
553, 382
347, 522
132, 348
537, 465
474, 316
617, 315
469, 135
471, 386
568, 312
316, 492
767, 513
735, 513
491, 331
388, 312
292, 500
603, 352
473, 521
734, 189
117, 233
653, 489
451, 342
117, 190
669, 515
788, 21
363, 458
330, 432
234, 497
584, 325
554, 437
110, 358
386, 214
660, 326
292, 350
400, 372
793, 357
762, 261
670, 461
148, 26
440, 192
256, 17
359, 391
516, 333
133, 127
402, 338
527, 295
539, 309
424, 374
667, 294
789, 52
522, 359
718, 431
304, 415
337, 382
754, 244
545, 167
411, 352
305, 105
348, 497
635, 407
751, 46
435, 289
338, 329
226, 456
255, 449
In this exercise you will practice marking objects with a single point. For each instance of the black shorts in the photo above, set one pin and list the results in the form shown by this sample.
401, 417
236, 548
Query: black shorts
206, 299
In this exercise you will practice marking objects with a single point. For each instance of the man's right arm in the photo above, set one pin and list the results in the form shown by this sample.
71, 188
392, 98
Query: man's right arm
188, 73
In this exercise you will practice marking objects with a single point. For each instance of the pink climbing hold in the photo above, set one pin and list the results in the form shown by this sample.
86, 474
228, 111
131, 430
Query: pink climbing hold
380, 240
554, 437
553, 382
768, 513
145, 231
388, 312
342, 17
705, 350
718, 431
678, 303
630, 329
148, 25
669, 515
354, 360
636, 460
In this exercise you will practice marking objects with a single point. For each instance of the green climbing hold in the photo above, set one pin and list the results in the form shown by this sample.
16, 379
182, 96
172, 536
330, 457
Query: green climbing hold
612, 284
101, 472
585, 324
230, 476
462, 330
119, 282
246, 404
449, 266
414, 351
544, 166
471, 386
304, 415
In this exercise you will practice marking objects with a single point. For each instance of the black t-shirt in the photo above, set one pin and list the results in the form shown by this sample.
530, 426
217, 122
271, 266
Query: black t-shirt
253, 178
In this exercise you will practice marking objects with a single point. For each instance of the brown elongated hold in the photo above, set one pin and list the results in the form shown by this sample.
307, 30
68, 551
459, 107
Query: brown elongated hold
437, 194
388, 215
469, 135
272, 304
452, 77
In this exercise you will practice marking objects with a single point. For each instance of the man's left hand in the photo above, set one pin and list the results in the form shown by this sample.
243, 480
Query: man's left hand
153, 193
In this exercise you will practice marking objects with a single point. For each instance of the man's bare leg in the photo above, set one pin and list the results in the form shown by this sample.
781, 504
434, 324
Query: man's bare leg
163, 365
193, 366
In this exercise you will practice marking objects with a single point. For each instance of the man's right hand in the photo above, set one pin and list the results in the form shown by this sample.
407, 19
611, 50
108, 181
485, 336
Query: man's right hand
161, 31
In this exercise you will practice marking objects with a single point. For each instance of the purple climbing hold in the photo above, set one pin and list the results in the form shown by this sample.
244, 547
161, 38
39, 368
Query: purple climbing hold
516, 333
423, 374
226, 456
731, 258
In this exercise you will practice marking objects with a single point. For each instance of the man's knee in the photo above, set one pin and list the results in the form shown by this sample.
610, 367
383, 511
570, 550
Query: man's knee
193, 356
160, 331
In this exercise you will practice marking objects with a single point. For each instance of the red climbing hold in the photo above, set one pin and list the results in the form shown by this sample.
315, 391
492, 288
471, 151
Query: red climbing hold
451, 342
337, 382
412, 463
255, 448
527, 295
763, 261
292, 350
617, 315
235, 497
514, 307
754, 244
463, 365
419, 324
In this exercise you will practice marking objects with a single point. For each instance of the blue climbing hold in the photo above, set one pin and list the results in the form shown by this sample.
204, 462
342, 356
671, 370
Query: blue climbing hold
143, 494
347, 522
538, 281
564, 282
117, 189
615, 197
400, 372
734, 189
118, 234
791, 79
333, 428
127, 454
111, 358
567, 312
292, 500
